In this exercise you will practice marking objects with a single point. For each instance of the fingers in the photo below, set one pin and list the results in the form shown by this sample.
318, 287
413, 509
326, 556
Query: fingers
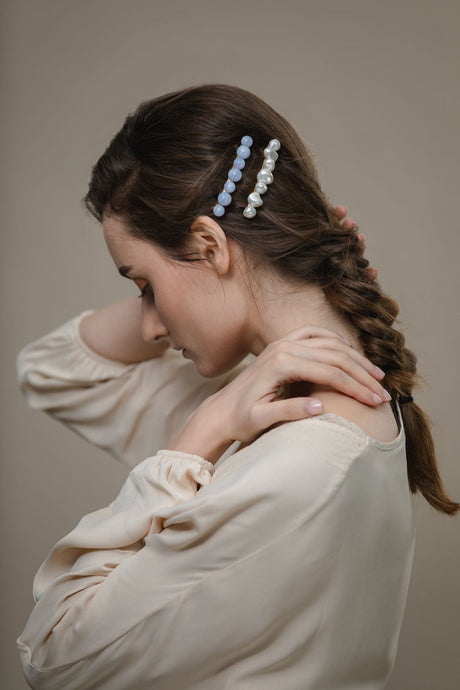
319, 337
335, 344
336, 369
340, 211
371, 271
361, 240
349, 224
288, 410
359, 369
356, 384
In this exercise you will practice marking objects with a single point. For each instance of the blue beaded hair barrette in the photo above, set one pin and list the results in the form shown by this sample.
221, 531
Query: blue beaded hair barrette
264, 177
234, 175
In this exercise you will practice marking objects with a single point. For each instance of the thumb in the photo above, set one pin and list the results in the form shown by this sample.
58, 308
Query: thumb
291, 409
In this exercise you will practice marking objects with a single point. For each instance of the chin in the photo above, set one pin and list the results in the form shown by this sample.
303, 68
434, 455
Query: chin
210, 368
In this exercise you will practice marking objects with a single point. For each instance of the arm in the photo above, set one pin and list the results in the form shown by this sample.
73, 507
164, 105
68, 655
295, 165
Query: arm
129, 410
115, 333
165, 582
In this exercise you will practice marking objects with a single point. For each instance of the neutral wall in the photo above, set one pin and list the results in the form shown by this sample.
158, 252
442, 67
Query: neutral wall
371, 87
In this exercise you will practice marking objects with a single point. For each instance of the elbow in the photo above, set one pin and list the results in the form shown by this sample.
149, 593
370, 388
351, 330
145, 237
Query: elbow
43, 671
32, 380
21, 368
37, 676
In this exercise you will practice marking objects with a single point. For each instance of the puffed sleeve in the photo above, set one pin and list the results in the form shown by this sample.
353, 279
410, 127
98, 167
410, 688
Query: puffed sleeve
168, 585
129, 410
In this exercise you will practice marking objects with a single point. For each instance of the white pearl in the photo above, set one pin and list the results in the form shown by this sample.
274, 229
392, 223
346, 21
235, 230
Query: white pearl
261, 187
270, 153
249, 212
265, 176
254, 199
274, 144
268, 164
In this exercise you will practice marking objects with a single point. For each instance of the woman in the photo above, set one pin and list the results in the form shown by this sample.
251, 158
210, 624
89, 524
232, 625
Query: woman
261, 545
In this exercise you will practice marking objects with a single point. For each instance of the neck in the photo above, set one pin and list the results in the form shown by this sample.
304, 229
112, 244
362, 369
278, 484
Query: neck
280, 311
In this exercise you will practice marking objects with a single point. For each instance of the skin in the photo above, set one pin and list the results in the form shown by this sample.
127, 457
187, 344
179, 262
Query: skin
238, 320
220, 312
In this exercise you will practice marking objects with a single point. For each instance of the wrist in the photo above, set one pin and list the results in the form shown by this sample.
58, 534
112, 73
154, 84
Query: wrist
202, 434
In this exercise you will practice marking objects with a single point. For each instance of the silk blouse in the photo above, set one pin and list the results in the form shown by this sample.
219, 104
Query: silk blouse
283, 566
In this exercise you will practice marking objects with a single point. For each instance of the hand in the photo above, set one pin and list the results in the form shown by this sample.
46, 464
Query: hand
341, 213
247, 405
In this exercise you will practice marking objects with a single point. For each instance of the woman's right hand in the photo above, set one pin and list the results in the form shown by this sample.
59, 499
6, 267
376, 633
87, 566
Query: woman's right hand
248, 405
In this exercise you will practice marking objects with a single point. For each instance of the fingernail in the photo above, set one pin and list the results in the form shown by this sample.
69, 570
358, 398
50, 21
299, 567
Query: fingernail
379, 371
348, 342
386, 395
314, 406
376, 398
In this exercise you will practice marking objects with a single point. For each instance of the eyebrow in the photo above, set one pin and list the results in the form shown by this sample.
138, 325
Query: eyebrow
124, 270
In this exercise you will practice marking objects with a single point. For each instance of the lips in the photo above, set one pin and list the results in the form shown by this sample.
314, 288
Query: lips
182, 349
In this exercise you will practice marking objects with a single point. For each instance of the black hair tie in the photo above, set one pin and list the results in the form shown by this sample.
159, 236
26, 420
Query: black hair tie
405, 399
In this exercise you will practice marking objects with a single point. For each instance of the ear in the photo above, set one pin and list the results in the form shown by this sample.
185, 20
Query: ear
211, 242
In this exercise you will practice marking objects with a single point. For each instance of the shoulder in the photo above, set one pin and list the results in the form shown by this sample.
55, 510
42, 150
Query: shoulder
301, 463
377, 422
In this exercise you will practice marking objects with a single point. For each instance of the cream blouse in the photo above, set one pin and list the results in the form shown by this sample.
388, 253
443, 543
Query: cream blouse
284, 566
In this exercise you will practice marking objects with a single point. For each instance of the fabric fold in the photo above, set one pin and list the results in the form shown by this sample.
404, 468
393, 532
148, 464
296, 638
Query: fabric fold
128, 410
260, 568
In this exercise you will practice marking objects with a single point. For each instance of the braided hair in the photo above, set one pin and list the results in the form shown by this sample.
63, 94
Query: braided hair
165, 167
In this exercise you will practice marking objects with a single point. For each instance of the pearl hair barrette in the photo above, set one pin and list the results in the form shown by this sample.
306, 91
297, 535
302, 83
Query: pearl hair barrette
234, 175
264, 178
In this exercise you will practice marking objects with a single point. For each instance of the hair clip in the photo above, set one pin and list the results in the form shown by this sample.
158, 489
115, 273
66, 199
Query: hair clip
234, 175
264, 178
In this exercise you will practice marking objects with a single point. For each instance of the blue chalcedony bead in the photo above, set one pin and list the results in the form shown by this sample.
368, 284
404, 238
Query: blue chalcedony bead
243, 151
224, 198
234, 175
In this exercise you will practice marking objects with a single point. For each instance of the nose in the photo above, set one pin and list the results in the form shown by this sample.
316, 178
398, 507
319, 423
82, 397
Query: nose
152, 328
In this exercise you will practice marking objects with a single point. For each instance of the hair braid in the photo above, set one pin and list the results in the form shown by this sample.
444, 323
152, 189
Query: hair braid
360, 299
164, 168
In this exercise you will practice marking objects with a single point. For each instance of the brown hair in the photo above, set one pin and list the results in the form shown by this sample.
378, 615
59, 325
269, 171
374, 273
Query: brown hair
166, 166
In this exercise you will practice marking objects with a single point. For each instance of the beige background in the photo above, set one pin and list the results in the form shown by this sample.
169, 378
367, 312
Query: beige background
371, 87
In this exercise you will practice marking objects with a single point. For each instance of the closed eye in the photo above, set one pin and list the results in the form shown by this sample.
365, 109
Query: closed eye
146, 290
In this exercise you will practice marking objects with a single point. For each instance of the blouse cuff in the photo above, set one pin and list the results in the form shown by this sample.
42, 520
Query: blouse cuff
204, 470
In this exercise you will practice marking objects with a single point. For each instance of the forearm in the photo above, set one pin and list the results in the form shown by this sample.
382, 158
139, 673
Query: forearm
115, 332
202, 434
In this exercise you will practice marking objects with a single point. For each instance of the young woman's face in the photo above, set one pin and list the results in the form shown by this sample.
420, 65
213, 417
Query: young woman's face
184, 302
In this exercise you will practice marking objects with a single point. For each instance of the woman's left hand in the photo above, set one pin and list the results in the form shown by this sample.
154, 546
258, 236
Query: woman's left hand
341, 213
